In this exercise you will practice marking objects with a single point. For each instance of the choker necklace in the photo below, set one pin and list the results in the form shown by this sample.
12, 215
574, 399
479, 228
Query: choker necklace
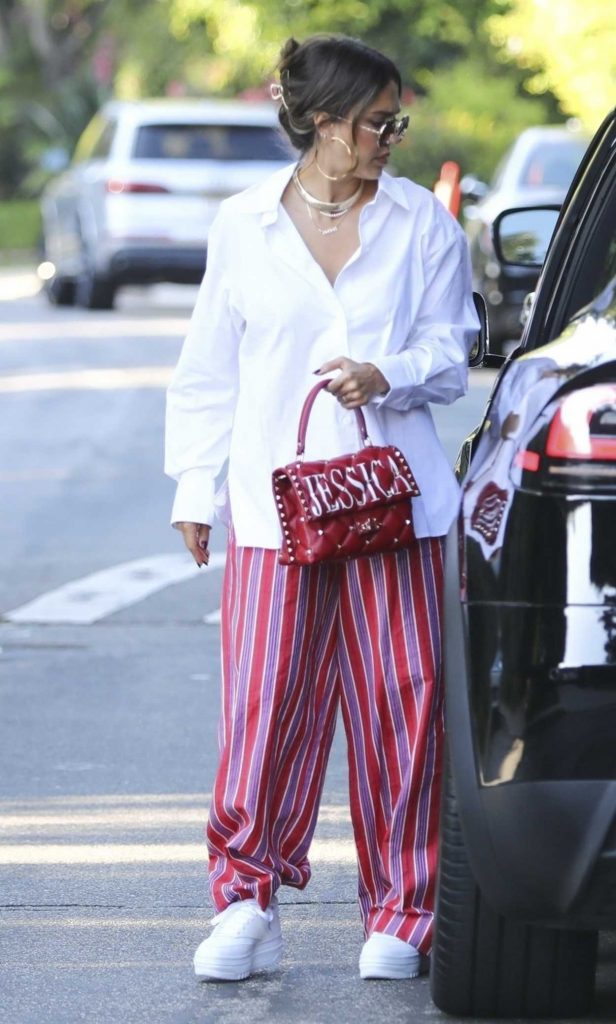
328, 209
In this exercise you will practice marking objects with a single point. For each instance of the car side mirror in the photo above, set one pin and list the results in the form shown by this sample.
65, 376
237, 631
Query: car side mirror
472, 188
480, 354
521, 237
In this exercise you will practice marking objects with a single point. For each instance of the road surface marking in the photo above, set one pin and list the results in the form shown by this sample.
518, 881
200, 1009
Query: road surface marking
66, 820
45, 473
111, 379
64, 803
93, 597
332, 851
94, 329
20, 284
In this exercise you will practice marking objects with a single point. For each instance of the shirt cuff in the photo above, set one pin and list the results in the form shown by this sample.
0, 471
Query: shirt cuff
194, 498
395, 369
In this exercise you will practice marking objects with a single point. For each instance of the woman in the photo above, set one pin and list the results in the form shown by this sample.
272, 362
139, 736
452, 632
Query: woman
333, 267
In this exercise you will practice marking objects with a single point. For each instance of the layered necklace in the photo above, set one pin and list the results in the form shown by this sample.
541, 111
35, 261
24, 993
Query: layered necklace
335, 211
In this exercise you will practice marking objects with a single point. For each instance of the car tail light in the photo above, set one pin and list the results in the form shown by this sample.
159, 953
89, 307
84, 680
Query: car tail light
528, 460
584, 426
118, 187
577, 445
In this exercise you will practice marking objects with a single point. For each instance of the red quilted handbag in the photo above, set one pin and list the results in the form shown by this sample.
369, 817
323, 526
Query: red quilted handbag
356, 504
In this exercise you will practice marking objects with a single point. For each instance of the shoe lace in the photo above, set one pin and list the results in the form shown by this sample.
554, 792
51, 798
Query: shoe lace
238, 915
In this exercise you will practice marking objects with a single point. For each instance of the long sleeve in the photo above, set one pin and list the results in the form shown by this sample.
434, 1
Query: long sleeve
202, 395
433, 367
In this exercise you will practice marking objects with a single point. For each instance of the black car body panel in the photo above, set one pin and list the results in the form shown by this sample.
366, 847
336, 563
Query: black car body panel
542, 850
531, 591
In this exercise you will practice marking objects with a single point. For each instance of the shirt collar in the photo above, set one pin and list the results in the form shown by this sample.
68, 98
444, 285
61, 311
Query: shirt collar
264, 198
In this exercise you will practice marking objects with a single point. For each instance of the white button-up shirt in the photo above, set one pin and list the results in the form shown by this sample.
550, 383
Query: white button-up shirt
267, 317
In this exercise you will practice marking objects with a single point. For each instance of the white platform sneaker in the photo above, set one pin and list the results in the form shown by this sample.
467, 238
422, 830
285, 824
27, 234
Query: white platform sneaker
385, 956
244, 941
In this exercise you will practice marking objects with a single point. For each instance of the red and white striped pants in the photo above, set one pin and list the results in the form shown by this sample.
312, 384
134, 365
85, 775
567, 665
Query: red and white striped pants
295, 642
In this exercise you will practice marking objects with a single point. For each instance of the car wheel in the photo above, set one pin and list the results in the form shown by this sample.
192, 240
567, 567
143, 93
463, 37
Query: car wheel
94, 291
60, 291
486, 965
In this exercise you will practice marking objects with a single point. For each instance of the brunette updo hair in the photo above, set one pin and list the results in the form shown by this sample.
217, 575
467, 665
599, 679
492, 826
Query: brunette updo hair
330, 73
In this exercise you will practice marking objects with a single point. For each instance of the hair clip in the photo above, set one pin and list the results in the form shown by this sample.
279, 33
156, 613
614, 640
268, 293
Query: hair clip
277, 93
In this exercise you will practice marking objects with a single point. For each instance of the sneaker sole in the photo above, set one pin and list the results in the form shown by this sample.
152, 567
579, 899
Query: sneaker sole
265, 957
386, 970
380, 972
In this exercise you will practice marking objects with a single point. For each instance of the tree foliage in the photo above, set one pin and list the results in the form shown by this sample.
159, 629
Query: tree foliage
47, 91
59, 59
569, 48
454, 122
246, 35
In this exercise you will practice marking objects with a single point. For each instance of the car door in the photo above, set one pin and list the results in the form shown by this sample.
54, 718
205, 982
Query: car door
69, 208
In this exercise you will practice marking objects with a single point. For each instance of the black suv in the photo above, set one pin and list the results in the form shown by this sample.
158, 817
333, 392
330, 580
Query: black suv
528, 856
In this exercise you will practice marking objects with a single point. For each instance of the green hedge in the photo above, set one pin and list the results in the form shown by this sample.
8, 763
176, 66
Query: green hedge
20, 224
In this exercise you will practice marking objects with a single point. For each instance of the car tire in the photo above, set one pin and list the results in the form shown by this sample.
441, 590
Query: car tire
60, 291
93, 291
485, 965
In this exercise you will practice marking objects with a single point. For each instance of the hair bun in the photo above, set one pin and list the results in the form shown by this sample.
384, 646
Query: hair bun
287, 51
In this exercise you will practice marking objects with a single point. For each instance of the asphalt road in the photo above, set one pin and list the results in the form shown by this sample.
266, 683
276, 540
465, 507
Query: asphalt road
109, 696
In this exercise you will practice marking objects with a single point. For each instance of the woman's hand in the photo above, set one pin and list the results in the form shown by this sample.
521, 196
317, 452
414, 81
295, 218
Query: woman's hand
196, 538
356, 384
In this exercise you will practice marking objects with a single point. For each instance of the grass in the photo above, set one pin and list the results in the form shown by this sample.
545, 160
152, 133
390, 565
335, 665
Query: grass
20, 225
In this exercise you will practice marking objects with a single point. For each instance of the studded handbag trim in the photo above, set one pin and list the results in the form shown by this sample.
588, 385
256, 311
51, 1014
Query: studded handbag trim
352, 505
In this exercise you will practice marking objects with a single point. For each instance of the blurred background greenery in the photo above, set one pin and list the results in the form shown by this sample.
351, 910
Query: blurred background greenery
476, 72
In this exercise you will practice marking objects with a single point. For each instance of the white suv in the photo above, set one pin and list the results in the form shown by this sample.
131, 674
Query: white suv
145, 182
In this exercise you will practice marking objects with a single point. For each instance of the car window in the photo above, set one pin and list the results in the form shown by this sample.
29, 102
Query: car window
499, 173
209, 142
103, 144
95, 143
595, 263
552, 164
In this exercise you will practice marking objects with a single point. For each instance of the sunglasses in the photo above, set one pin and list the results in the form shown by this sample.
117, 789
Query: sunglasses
389, 132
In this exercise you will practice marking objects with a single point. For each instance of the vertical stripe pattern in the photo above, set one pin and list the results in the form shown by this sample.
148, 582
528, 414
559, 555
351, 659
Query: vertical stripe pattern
295, 642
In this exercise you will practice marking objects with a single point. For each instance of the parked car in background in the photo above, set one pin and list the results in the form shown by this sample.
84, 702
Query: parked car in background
528, 831
537, 170
145, 183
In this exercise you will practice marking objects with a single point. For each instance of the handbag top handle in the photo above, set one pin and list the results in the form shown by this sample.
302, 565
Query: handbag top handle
305, 416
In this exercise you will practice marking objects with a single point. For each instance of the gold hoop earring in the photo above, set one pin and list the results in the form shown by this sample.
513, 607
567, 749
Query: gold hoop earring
336, 177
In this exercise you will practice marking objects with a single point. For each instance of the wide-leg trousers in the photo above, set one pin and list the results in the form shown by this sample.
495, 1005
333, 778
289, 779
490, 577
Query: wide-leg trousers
296, 642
